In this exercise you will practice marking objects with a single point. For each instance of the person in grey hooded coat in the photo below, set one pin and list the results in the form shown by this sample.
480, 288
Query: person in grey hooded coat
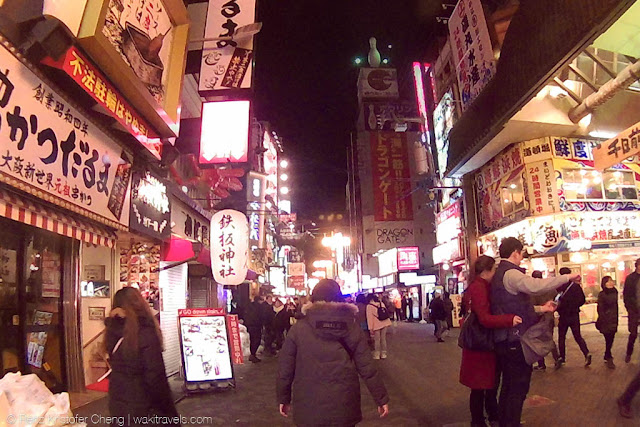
320, 361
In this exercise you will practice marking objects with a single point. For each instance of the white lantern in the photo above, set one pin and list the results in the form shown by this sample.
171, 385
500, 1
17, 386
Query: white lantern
229, 247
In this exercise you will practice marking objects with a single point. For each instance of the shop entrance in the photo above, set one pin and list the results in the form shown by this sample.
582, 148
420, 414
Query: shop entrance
31, 303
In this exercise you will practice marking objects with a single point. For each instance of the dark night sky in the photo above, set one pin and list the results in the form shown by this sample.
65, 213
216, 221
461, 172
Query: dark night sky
305, 80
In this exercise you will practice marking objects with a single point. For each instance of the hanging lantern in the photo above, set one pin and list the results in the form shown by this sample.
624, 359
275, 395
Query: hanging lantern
229, 247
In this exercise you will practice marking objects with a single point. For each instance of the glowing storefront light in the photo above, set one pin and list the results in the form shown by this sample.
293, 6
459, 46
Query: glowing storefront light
224, 136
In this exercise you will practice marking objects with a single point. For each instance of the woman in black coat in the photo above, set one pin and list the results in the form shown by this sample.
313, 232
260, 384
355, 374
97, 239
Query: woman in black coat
320, 361
138, 385
607, 322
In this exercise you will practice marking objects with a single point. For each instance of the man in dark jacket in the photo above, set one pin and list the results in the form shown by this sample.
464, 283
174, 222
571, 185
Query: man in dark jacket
253, 320
511, 291
438, 315
630, 296
268, 318
569, 303
320, 361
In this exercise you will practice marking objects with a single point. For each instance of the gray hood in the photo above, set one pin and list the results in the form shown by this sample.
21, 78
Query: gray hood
330, 320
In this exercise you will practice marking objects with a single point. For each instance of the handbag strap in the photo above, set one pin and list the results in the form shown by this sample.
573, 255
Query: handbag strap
115, 348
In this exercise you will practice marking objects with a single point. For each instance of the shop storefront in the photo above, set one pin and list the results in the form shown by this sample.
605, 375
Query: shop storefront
63, 185
449, 255
566, 212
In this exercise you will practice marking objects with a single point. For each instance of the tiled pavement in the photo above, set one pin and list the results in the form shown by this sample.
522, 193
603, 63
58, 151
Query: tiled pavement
422, 378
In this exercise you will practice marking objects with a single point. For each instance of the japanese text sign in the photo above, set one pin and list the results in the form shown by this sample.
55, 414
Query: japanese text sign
229, 247
227, 64
53, 148
92, 81
536, 149
543, 194
150, 206
391, 177
234, 336
295, 282
224, 137
617, 149
408, 258
472, 50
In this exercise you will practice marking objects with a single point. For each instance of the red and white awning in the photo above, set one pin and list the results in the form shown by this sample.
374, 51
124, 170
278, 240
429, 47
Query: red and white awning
22, 209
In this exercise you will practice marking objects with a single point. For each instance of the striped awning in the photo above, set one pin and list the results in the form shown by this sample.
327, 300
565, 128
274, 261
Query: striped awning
23, 209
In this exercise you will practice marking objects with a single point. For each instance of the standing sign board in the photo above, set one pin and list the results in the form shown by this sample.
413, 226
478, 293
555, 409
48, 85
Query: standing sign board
206, 346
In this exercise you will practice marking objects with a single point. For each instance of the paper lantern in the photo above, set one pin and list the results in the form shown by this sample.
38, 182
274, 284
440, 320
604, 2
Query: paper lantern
229, 247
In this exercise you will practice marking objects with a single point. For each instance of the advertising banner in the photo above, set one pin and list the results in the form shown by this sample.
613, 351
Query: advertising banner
224, 136
443, 119
205, 342
296, 282
51, 148
93, 82
236, 343
472, 50
296, 269
408, 258
378, 83
381, 115
543, 194
505, 169
150, 206
615, 150
536, 150
391, 234
188, 223
391, 177
227, 64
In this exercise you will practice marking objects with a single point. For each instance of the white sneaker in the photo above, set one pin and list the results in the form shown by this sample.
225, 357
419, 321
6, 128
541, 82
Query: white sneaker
376, 356
383, 355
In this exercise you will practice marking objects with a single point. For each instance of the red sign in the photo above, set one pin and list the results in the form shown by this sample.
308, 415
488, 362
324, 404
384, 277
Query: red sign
234, 338
450, 212
296, 282
224, 137
89, 78
408, 258
287, 218
200, 312
391, 177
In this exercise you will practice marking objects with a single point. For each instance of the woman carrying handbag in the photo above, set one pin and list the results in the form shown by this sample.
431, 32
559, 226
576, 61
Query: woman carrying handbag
478, 368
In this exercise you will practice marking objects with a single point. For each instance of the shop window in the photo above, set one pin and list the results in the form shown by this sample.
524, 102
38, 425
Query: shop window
582, 184
512, 197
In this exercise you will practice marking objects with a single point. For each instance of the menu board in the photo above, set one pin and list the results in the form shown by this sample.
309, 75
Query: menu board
205, 345
139, 268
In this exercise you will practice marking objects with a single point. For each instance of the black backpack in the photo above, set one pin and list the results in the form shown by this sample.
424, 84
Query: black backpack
383, 314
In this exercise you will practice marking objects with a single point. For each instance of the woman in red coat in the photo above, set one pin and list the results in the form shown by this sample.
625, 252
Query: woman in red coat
478, 368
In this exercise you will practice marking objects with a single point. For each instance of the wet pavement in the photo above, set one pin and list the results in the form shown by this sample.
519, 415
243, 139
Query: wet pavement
422, 379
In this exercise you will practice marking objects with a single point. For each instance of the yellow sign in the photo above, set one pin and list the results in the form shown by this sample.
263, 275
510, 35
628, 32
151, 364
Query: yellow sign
615, 150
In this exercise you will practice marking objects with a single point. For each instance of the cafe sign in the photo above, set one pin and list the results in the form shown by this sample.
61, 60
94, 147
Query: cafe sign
52, 150
229, 247
615, 150
150, 206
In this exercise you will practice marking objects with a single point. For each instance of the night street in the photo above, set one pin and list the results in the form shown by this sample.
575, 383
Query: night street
422, 379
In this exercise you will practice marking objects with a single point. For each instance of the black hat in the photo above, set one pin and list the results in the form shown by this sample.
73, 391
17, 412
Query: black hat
326, 290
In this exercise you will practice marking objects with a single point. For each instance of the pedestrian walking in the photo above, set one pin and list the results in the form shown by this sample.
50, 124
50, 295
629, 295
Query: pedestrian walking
511, 291
630, 295
361, 303
322, 357
478, 368
398, 305
448, 309
569, 302
138, 385
268, 317
378, 320
549, 319
410, 308
438, 315
607, 322
252, 318
405, 304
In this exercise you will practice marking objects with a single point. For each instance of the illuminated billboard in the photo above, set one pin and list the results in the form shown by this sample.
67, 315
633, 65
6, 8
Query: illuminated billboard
408, 258
224, 137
